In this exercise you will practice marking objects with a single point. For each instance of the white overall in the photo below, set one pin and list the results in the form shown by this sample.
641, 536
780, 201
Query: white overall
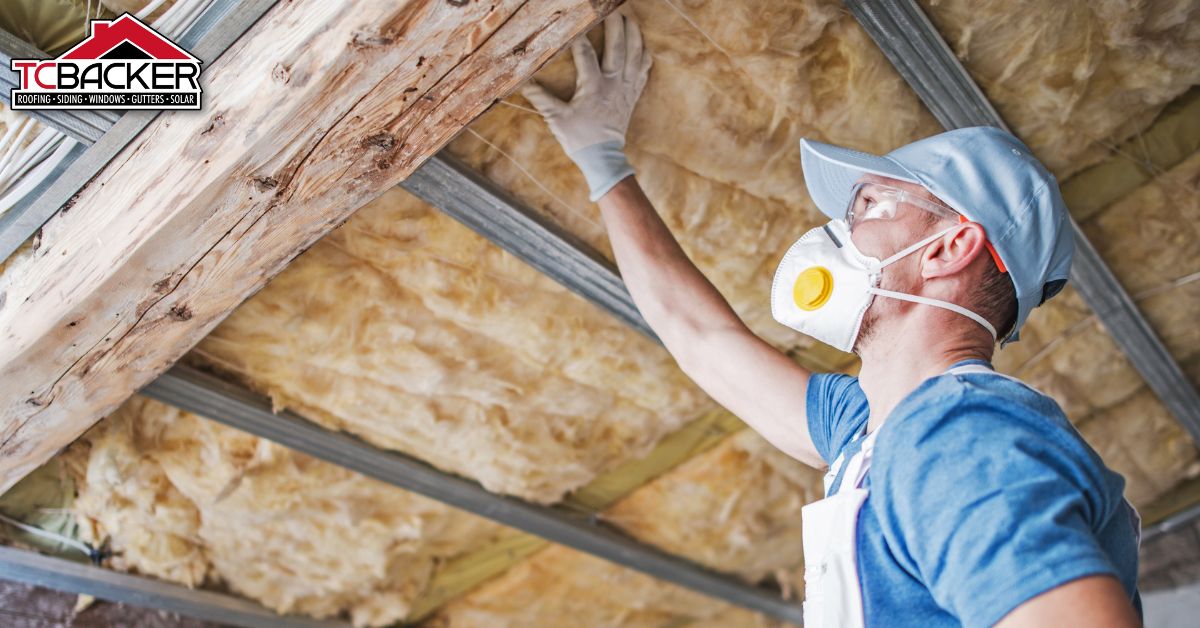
832, 590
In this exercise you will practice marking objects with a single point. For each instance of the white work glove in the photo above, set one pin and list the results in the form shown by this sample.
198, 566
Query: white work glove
591, 128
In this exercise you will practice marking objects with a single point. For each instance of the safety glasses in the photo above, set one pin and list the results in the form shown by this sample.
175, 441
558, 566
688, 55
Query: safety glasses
877, 201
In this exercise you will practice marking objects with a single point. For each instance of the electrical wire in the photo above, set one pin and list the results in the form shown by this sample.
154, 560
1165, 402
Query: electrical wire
23, 167
537, 181
91, 552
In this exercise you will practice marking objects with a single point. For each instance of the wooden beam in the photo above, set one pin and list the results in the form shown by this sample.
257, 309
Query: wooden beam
221, 24
317, 110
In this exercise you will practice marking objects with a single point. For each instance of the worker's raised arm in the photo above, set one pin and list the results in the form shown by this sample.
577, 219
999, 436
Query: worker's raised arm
748, 376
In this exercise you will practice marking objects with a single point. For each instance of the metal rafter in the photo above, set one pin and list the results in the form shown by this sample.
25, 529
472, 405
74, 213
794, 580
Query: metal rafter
446, 183
910, 41
82, 124
1178, 520
451, 186
73, 577
213, 398
214, 32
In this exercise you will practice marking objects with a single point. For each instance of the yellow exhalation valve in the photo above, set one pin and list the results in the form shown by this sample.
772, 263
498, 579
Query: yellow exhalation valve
812, 288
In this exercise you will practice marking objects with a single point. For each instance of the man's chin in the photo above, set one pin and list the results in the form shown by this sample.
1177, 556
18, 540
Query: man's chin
866, 332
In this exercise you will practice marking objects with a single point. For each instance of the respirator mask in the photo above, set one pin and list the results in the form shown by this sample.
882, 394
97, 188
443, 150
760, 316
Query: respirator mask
824, 286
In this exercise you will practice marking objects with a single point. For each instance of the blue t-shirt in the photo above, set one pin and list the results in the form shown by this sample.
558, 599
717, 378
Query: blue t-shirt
982, 496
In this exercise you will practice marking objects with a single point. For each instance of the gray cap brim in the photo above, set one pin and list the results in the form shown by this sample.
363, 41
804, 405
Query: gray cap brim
831, 171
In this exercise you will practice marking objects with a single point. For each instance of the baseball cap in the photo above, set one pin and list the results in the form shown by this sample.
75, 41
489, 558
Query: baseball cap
984, 173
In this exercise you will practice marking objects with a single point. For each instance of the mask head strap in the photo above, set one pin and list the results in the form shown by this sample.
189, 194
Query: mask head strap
945, 305
913, 248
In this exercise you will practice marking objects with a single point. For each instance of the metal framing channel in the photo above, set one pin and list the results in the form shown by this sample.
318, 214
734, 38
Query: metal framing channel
1178, 520
465, 195
81, 578
83, 125
910, 41
216, 30
212, 398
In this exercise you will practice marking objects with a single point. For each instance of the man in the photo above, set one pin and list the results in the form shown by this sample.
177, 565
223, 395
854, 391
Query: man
982, 505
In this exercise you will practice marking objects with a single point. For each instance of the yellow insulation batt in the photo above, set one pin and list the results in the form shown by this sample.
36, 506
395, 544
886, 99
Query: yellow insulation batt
416, 333
564, 588
409, 330
186, 499
735, 508
51, 25
715, 136
1075, 77
567, 588
1151, 239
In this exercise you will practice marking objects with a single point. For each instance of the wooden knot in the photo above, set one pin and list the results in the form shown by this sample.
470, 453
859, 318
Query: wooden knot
383, 141
265, 183
217, 122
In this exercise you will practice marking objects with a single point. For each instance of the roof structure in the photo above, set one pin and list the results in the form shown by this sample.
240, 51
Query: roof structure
413, 333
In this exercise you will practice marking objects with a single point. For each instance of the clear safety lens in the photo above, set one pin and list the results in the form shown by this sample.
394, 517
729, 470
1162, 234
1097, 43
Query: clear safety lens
868, 202
874, 201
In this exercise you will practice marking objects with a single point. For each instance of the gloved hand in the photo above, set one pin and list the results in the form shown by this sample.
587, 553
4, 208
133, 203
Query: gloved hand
591, 128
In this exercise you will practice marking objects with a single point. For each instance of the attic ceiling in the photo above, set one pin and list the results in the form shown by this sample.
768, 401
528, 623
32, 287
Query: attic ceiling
407, 329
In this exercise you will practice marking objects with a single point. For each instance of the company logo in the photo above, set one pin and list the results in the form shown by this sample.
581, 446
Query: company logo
122, 64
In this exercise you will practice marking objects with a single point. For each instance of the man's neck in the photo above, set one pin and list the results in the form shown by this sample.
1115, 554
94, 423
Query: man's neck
897, 361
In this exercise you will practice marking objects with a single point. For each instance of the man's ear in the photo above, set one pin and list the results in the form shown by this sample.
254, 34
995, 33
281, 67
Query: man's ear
953, 252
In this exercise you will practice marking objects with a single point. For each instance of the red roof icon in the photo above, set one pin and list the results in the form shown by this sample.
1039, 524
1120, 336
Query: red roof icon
109, 34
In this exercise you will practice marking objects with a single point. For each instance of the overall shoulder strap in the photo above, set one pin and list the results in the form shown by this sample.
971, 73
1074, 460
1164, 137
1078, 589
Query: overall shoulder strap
970, 369
868, 450
838, 462
973, 368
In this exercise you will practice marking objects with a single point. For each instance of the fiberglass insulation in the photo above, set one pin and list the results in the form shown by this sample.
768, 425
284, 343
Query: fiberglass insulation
1073, 78
562, 587
736, 203
1149, 239
407, 329
416, 333
715, 137
186, 499
735, 508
